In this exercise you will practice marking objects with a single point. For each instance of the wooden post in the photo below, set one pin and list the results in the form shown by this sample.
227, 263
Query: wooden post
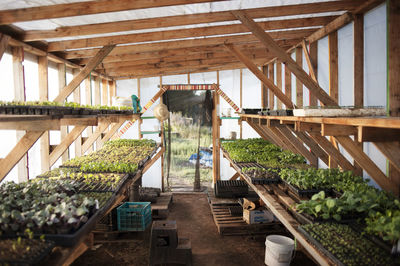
77, 98
333, 80
19, 91
278, 81
61, 84
215, 134
358, 30
44, 96
240, 102
162, 144
104, 92
394, 70
299, 84
97, 101
271, 96
264, 89
288, 84
313, 54
88, 93
3, 43
140, 119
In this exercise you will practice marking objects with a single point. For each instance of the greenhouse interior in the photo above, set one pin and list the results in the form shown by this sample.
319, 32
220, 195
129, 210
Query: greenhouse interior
200, 132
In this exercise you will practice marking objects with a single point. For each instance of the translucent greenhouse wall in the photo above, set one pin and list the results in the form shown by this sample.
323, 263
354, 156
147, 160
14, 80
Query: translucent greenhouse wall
375, 93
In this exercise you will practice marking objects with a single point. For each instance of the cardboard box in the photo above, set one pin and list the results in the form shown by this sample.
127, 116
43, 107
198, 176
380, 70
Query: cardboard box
258, 216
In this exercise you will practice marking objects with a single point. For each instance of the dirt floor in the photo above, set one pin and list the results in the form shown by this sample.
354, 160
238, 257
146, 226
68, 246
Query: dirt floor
194, 220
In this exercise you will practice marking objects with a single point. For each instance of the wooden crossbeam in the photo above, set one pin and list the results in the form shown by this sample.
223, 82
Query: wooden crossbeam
153, 160
269, 137
93, 137
111, 132
235, 176
253, 68
189, 19
65, 143
309, 127
337, 130
19, 150
314, 146
373, 134
285, 58
84, 8
308, 60
67, 90
3, 43
391, 150
31, 125
185, 33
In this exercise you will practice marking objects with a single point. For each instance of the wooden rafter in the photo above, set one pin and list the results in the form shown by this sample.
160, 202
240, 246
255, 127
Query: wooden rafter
181, 20
65, 143
84, 8
20, 149
67, 90
3, 43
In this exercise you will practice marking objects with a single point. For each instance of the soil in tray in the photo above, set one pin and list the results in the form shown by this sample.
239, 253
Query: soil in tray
304, 192
261, 175
23, 251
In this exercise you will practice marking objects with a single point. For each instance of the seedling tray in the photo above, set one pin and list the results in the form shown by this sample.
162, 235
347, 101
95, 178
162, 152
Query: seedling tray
303, 193
348, 219
261, 180
251, 111
33, 259
231, 189
320, 247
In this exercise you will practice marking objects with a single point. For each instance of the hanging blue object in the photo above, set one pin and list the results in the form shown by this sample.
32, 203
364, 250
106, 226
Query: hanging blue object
136, 104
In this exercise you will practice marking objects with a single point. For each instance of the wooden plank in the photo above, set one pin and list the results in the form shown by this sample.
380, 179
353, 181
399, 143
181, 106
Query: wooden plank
333, 66
331, 27
104, 92
286, 142
93, 137
285, 58
267, 81
337, 130
89, 101
391, 150
271, 96
264, 89
189, 19
84, 8
62, 81
367, 164
370, 134
314, 63
97, 101
267, 135
3, 43
309, 61
332, 151
184, 33
153, 160
216, 139
113, 90
34, 125
309, 127
44, 96
67, 90
299, 84
299, 146
19, 150
314, 146
235, 176
65, 143
111, 132
288, 84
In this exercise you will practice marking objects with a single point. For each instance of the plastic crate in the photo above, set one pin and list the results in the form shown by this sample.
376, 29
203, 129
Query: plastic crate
133, 216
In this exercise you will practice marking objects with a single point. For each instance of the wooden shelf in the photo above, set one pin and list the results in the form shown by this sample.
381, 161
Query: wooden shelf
282, 214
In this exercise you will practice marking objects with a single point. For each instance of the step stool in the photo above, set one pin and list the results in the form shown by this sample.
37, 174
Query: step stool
166, 247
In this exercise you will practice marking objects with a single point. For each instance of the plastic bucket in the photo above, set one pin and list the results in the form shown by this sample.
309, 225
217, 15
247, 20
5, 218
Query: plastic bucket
279, 250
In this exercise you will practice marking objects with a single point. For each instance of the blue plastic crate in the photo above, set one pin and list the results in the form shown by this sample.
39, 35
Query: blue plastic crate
134, 216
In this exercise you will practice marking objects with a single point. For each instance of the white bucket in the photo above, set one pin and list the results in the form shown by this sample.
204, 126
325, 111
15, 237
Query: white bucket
279, 250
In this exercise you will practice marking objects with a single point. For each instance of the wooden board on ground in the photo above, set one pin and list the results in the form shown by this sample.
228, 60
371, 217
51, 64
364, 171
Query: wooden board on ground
235, 225
160, 209
212, 199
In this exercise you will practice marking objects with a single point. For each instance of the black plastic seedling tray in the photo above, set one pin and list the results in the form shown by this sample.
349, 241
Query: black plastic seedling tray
303, 193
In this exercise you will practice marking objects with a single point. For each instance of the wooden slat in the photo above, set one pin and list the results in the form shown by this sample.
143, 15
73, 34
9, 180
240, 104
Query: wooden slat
391, 150
370, 134
265, 136
309, 127
285, 58
307, 56
65, 143
271, 96
3, 43
33, 125
111, 132
278, 81
67, 90
153, 160
62, 80
84, 8
367, 164
104, 92
314, 63
189, 19
333, 66
235, 176
282, 36
288, 83
264, 89
253, 68
20, 149
184, 33
331, 27
332, 151
89, 101
299, 84
94, 136
338, 130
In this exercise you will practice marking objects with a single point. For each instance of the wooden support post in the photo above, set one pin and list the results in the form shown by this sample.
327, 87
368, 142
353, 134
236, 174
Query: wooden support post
299, 84
97, 101
140, 119
44, 96
240, 102
89, 101
288, 84
91, 65
393, 71
3, 43
65, 143
278, 81
264, 89
19, 92
253, 68
77, 98
104, 92
61, 84
271, 96
314, 64
274, 48
113, 90
16, 154
162, 144
216, 139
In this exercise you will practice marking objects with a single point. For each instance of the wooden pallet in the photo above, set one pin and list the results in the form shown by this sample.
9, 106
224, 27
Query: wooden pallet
160, 209
234, 225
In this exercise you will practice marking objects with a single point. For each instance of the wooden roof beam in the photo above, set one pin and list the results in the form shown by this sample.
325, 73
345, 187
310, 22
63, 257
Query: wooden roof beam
67, 90
3, 43
170, 21
84, 8
185, 33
